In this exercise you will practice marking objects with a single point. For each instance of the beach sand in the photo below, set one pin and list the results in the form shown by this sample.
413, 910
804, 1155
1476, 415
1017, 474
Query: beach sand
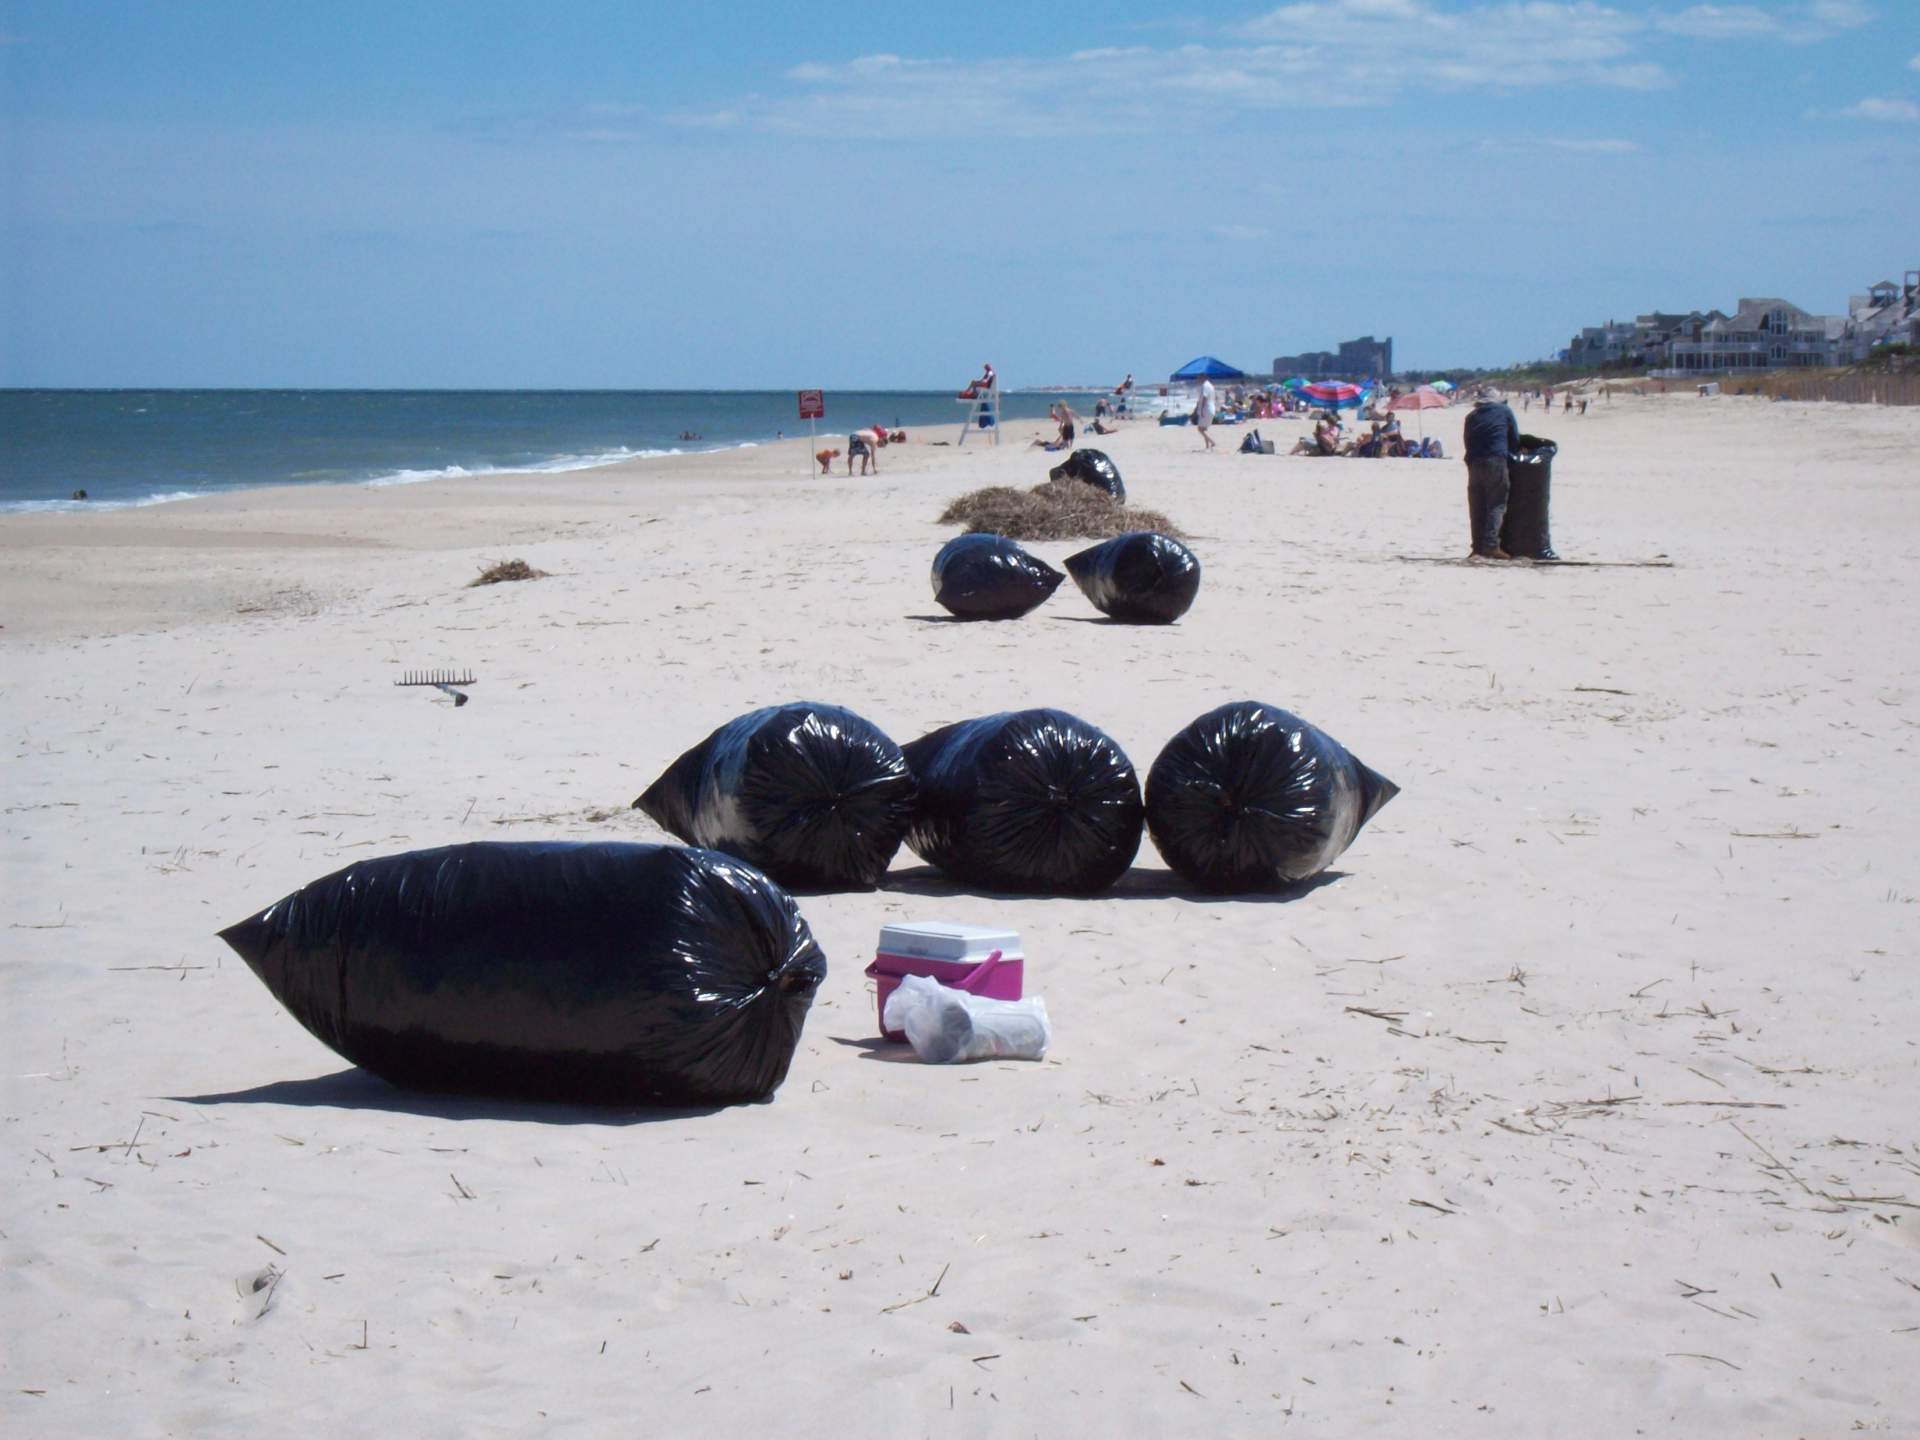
1578, 1100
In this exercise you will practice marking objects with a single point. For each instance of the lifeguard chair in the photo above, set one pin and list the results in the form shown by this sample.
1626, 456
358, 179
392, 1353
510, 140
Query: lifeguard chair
983, 411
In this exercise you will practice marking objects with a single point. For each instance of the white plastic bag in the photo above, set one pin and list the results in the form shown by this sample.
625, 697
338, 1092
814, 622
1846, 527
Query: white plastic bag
945, 1025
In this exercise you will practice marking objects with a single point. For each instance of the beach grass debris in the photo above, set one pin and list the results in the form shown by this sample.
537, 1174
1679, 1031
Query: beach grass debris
504, 570
1056, 510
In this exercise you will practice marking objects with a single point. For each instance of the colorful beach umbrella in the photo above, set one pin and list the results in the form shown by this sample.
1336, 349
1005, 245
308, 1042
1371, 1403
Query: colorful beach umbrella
1337, 393
1443, 386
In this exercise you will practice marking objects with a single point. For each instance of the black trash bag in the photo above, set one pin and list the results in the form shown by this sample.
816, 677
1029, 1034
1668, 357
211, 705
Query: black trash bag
1526, 531
1144, 577
812, 794
989, 577
601, 974
1033, 800
1093, 467
1250, 796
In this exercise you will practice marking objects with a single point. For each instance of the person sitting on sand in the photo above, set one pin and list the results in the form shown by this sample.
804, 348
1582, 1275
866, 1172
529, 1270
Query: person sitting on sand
1325, 439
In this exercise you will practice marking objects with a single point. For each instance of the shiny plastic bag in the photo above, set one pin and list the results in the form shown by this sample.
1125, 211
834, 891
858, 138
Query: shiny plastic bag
1250, 796
1036, 801
989, 577
814, 795
1527, 531
1143, 577
1091, 467
947, 1026
602, 974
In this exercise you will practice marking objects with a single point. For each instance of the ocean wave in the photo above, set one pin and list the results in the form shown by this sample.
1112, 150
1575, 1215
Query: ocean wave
555, 465
558, 465
29, 507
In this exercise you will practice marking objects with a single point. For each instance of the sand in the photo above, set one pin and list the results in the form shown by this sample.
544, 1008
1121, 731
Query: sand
1578, 1100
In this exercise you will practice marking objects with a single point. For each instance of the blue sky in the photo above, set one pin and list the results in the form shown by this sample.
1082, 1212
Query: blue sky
637, 195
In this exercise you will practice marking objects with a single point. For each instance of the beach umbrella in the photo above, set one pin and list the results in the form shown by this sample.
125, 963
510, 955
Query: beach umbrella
1422, 397
1206, 367
1338, 394
1443, 386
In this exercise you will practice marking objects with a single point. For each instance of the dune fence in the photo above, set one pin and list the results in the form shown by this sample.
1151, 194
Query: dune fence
1849, 387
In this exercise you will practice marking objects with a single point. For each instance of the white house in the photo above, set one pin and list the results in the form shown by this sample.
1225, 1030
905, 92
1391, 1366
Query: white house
1763, 334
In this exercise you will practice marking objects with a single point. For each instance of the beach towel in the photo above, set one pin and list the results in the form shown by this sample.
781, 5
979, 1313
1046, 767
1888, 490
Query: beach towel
1032, 801
812, 794
1144, 578
602, 974
1250, 796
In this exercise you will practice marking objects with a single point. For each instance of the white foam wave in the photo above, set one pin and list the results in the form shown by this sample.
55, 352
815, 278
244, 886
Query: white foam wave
30, 507
558, 465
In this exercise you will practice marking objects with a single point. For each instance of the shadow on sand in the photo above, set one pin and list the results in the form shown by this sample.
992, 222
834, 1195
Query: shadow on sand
357, 1089
1137, 884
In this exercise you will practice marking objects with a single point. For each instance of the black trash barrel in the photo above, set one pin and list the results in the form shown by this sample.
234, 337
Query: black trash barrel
1525, 531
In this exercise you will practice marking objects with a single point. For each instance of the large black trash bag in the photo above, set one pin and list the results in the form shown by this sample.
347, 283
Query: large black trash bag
1250, 796
1033, 800
812, 794
1095, 469
1526, 531
1143, 577
602, 974
989, 577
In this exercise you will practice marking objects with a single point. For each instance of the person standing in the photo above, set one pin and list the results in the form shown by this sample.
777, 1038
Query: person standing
1491, 435
1203, 412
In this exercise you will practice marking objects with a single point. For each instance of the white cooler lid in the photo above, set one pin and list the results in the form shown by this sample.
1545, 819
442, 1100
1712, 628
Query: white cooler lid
944, 940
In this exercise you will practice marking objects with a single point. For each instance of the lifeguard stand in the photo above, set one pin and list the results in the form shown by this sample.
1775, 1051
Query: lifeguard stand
983, 412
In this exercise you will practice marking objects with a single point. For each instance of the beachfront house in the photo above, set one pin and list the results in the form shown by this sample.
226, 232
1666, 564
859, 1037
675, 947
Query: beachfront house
1655, 332
1763, 333
1600, 345
1888, 314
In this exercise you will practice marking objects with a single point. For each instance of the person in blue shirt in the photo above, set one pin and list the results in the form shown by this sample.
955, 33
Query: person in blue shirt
1492, 434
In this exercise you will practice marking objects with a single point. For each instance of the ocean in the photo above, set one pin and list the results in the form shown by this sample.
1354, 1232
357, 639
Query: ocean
145, 447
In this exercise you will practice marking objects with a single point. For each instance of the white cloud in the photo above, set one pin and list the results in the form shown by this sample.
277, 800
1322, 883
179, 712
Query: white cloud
1897, 111
1595, 147
1302, 57
1803, 23
1568, 146
1719, 22
707, 119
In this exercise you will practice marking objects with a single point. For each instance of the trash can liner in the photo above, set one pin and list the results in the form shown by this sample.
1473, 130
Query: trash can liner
1035, 801
812, 794
1526, 530
1143, 577
1095, 468
989, 577
1250, 796
601, 973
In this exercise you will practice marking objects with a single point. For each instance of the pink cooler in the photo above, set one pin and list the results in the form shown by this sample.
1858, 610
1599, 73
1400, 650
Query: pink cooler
975, 958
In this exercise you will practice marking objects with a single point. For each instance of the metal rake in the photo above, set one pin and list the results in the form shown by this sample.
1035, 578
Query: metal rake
442, 680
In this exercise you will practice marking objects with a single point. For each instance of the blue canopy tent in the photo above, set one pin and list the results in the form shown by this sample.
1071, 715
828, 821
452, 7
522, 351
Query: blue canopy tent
1207, 368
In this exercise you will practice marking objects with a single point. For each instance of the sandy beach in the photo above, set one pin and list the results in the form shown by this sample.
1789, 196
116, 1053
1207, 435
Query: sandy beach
1578, 1099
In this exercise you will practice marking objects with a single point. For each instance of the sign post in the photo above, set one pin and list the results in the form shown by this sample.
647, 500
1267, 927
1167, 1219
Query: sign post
813, 407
